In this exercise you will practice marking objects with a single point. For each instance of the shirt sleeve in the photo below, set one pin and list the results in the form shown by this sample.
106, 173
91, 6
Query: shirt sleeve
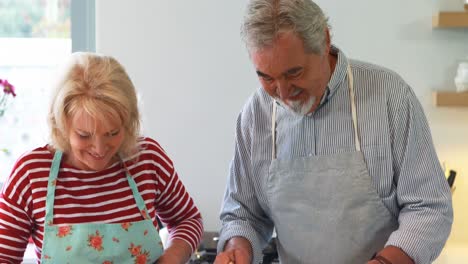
15, 226
241, 213
176, 208
423, 193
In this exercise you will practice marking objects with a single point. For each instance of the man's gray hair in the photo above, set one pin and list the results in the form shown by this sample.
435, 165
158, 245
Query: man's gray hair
265, 19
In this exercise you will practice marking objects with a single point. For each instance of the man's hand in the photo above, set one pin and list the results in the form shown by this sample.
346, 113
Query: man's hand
394, 255
236, 251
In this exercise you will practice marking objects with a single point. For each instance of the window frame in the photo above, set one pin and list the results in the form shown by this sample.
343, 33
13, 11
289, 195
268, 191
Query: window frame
83, 25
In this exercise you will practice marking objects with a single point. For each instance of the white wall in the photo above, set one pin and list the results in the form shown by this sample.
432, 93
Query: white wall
192, 72
193, 75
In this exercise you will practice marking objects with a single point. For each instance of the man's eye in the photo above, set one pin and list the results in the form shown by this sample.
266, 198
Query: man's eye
267, 78
293, 75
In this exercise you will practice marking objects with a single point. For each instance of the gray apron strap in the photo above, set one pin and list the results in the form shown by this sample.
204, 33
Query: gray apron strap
273, 131
353, 108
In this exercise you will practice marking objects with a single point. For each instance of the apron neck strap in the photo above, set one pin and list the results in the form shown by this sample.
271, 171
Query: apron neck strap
353, 114
54, 170
353, 107
273, 131
53, 174
136, 194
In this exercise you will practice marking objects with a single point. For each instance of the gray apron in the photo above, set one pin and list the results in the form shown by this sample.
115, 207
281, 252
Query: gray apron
324, 208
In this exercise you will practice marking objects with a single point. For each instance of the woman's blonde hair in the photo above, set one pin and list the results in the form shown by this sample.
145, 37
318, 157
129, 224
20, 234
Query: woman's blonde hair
100, 86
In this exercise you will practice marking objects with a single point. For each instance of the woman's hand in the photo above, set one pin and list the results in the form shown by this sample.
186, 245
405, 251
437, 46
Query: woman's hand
178, 252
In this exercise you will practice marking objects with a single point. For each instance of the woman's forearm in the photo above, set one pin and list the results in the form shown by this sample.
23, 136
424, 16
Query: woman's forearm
178, 251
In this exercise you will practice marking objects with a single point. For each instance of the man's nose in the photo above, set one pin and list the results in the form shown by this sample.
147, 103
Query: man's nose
282, 89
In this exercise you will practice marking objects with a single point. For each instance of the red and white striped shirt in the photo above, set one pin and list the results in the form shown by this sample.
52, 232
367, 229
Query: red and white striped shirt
93, 196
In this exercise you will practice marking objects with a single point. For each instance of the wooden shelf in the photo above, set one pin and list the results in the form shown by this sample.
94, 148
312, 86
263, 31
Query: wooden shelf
454, 99
450, 19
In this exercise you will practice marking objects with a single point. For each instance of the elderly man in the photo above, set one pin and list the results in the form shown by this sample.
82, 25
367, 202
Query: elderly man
333, 154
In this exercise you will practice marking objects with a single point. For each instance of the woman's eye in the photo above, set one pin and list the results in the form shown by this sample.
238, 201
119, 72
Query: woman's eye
83, 136
113, 134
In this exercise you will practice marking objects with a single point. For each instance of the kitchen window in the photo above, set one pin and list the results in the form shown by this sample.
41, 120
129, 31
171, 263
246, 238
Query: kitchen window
35, 38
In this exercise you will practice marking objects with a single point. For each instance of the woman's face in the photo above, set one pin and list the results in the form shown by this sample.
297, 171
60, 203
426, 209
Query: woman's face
94, 144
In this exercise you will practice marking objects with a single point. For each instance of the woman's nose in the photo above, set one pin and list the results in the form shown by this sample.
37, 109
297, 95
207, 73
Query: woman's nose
99, 146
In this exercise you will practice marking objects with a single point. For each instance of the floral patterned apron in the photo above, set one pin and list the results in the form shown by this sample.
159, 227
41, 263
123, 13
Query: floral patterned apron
130, 242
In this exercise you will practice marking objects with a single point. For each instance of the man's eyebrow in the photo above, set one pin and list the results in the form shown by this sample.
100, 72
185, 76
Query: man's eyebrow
261, 74
287, 72
293, 70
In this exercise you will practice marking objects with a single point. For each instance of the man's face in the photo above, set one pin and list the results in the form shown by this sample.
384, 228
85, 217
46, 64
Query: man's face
94, 145
290, 75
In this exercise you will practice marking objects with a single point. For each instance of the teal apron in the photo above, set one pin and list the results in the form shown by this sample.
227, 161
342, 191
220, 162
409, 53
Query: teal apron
324, 208
90, 243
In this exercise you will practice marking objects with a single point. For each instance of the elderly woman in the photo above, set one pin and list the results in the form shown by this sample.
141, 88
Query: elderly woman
94, 194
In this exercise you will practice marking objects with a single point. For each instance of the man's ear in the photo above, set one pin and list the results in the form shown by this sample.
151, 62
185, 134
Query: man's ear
327, 40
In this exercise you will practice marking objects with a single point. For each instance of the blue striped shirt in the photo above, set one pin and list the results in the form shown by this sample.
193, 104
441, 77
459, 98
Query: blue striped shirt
395, 140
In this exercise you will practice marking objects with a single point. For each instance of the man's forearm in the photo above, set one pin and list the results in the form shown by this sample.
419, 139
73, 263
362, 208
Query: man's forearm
394, 255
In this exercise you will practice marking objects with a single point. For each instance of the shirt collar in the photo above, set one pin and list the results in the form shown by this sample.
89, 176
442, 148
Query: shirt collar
338, 75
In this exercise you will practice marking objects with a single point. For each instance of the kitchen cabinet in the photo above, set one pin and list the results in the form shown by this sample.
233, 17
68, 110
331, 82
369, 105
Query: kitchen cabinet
455, 99
450, 20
